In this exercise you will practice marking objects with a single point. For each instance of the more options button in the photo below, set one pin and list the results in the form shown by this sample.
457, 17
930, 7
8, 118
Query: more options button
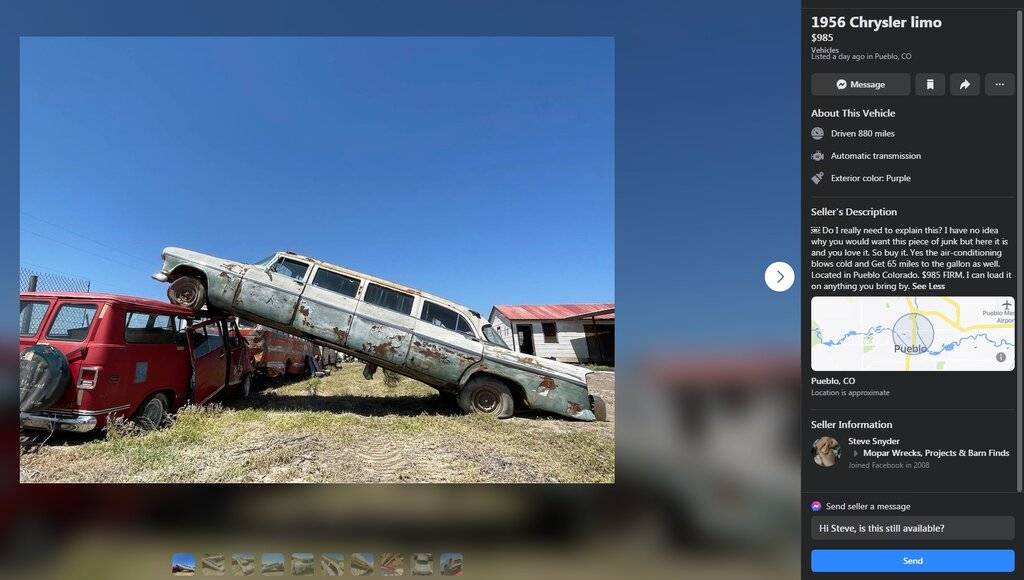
909, 560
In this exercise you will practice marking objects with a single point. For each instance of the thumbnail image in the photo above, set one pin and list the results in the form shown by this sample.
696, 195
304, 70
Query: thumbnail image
212, 565
183, 564
391, 564
302, 564
362, 564
272, 565
451, 564
913, 333
422, 564
332, 564
826, 451
243, 564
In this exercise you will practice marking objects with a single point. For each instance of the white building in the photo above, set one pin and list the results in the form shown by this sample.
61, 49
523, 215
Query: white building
575, 333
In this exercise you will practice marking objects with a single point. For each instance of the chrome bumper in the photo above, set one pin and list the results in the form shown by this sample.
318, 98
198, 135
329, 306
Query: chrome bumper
159, 277
76, 423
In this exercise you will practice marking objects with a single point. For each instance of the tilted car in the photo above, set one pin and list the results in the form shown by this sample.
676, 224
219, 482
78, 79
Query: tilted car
407, 331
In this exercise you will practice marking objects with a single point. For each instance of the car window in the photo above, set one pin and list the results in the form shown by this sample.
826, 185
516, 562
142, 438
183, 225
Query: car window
72, 322
336, 282
493, 337
388, 298
32, 314
445, 317
145, 328
206, 339
290, 268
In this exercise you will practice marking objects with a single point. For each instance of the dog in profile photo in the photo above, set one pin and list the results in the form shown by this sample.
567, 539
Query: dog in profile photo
826, 451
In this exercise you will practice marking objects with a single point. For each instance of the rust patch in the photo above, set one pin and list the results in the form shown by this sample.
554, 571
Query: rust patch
224, 275
574, 408
546, 386
341, 335
431, 351
238, 292
382, 350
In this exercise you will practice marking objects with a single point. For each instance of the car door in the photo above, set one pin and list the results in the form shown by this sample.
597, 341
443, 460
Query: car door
382, 326
273, 293
443, 345
154, 356
236, 352
328, 305
209, 359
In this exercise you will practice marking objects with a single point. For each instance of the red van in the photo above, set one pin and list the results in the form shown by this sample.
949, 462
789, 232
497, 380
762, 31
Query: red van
88, 357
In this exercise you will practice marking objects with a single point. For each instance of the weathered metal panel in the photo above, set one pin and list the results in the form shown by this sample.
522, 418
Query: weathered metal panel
380, 333
441, 353
267, 295
553, 311
326, 314
223, 280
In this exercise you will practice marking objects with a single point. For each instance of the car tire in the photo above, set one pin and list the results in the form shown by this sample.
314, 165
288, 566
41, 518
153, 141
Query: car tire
188, 292
486, 396
44, 376
152, 411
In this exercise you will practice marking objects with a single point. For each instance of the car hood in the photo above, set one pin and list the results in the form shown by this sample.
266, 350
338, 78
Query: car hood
538, 364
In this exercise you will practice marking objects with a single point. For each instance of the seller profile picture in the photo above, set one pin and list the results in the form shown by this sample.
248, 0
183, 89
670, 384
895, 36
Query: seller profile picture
826, 451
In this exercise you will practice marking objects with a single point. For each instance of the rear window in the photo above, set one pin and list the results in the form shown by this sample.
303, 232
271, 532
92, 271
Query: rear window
32, 314
72, 322
144, 328
388, 298
336, 282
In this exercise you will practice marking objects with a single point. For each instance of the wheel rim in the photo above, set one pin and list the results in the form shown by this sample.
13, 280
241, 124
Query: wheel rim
186, 295
485, 400
246, 386
154, 412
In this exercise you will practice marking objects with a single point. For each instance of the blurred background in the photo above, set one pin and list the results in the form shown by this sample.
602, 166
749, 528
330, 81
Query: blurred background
707, 474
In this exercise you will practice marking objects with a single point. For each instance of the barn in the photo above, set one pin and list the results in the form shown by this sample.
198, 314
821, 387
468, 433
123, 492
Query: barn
574, 333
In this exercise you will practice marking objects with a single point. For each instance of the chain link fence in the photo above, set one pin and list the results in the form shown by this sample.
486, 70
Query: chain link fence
31, 280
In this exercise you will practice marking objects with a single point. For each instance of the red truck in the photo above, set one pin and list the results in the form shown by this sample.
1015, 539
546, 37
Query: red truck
88, 357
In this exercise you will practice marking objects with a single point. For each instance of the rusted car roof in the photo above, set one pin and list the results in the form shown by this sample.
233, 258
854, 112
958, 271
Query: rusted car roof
555, 311
119, 298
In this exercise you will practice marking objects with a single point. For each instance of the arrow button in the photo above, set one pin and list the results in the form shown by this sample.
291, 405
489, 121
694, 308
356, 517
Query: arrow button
779, 276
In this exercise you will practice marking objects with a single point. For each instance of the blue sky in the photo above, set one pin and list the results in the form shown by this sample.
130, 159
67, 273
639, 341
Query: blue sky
481, 169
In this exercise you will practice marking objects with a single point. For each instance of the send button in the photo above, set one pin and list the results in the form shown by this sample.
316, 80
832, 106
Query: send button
912, 561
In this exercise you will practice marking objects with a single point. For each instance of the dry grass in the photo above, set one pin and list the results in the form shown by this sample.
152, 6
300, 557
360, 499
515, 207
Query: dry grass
338, 429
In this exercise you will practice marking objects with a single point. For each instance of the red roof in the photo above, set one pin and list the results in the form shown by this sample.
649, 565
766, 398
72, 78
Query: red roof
120, 298
555, 311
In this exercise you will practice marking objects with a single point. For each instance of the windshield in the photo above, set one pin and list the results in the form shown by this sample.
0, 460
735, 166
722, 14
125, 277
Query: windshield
493, 337
265, 261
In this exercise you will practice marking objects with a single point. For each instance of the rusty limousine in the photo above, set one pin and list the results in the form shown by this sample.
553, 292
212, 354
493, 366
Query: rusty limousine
384, 324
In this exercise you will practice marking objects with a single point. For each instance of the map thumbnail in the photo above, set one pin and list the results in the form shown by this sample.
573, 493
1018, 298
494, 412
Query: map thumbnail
924, 333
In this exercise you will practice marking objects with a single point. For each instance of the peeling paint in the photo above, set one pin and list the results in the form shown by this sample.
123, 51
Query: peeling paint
546, 386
